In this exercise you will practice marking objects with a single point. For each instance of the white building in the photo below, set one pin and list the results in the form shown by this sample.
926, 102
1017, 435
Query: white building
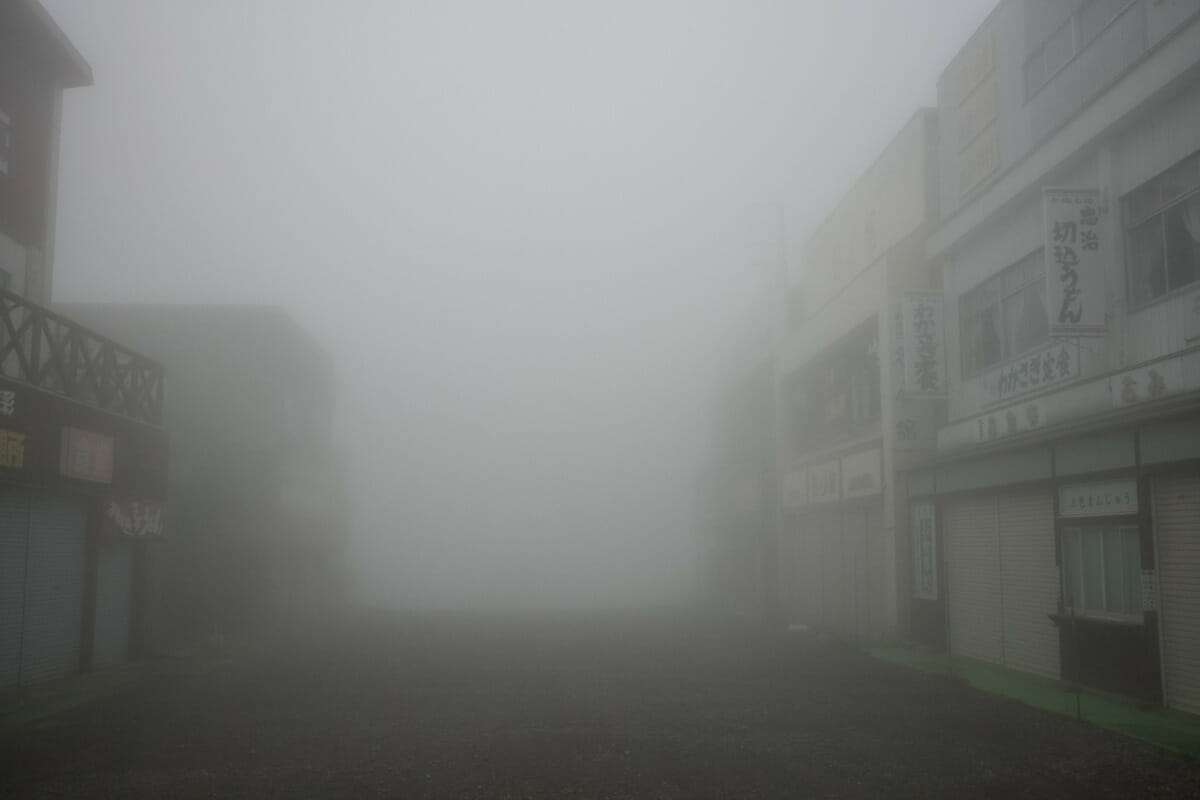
845, 424
1066, 485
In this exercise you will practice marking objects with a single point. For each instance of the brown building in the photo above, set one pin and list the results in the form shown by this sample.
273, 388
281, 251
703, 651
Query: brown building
83, 450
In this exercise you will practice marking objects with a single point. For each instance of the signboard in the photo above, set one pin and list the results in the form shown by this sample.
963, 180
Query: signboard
824, 482
1058, 363
1110, 498
795, 489
1075, 255
924, 543
86, 455
134, 518
1146, 383
924, 345
861, 474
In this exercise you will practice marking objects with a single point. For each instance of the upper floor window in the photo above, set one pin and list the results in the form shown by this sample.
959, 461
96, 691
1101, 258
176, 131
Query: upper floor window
5, 142
838, 394
1162, 232
1069, 39
1005, 316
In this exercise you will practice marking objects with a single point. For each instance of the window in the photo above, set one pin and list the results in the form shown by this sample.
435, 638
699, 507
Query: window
1102, 569
5, 142
1162, 239
1082, 28
838, 394
1005, 316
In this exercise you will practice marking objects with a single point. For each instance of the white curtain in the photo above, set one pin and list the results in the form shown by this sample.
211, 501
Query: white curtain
1191, 217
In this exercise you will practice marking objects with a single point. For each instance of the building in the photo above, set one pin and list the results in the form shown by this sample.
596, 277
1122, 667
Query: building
738, 500
83, 450
257, 494
859, 396
1065, 490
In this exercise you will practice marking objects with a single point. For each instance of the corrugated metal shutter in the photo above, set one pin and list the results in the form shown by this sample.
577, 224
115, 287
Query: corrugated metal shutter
14, 533
1030, 582
114, 581
807, 564
973, 573
1177, 525
53, 589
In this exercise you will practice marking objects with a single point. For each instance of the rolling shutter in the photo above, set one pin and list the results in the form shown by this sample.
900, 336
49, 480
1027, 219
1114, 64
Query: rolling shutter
1177, 524
1030, 583
53, 590
878, 584
14, 533
973, 578
114, 581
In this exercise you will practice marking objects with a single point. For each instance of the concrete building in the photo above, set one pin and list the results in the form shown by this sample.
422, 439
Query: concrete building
738, 500
1066, 483
83, 451
257, 493
853, 409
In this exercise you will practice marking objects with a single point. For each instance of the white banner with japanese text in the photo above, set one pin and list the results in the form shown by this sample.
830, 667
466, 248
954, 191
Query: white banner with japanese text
924, 345
1075, 255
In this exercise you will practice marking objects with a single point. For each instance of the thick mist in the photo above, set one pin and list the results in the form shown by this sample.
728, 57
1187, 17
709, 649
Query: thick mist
526, 232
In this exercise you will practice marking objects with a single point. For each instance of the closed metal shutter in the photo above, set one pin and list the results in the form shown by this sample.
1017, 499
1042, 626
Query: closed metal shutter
1030, 582
14, 533
973, 573
53, 589
1177, 526
114, 582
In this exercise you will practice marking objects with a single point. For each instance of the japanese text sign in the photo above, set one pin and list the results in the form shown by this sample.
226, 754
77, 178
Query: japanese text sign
1075, 258
924, 345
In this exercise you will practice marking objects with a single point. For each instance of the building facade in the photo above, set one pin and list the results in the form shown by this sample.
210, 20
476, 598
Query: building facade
257, 494
1062, 505
856, 408
83, 450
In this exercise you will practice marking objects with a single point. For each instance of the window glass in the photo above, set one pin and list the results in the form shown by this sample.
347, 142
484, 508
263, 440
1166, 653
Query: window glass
1093, 570
1182, 223
5, 142
1147, 267
1072, 566
1004, 316
1163, 239
1132, 556
1116, 593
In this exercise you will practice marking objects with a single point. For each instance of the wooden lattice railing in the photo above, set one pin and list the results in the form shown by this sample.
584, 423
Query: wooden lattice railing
49, 351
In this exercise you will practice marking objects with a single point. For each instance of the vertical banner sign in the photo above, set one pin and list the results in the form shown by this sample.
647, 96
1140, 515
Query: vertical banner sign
924, 345
1074, 261
924, 544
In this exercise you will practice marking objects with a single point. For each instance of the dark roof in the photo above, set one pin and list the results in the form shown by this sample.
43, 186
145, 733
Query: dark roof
33, 24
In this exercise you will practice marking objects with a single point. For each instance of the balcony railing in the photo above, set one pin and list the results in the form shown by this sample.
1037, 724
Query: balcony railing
50, 352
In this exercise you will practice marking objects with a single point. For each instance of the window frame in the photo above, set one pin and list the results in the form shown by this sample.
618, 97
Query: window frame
1078, 45
6, 148
1156, 214
1121, 523
1038, 255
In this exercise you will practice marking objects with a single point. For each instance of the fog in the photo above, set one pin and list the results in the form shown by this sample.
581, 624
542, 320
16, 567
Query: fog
529, 233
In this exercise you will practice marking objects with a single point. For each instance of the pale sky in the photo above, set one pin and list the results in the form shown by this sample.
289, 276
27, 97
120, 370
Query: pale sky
519, 227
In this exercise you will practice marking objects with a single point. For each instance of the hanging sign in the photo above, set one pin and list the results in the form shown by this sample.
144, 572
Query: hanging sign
86, 455
924, 345
1075, 255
